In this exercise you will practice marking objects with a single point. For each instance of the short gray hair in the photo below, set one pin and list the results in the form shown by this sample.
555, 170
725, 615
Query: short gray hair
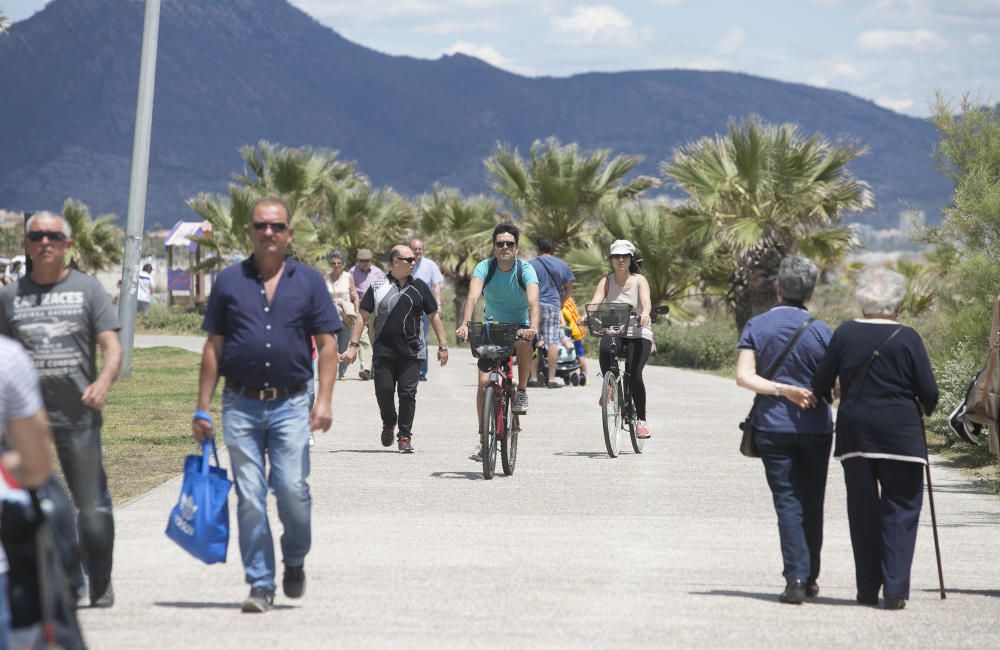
797, 278
44, 214
335, 255
880, 291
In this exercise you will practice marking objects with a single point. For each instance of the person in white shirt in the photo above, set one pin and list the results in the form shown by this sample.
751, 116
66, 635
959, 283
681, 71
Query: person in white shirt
144, 289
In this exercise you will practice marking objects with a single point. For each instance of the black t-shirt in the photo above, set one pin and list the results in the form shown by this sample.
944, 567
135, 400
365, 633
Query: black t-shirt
397, 316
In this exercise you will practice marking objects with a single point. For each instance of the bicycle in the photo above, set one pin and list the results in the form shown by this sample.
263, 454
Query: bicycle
499, 427
617, 410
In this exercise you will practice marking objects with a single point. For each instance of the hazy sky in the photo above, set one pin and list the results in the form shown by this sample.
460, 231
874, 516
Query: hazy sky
895, 52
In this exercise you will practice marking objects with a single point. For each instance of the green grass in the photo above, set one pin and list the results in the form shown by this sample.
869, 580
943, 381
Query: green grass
147, 422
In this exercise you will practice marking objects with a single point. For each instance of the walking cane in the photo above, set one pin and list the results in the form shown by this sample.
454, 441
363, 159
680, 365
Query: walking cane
930, 498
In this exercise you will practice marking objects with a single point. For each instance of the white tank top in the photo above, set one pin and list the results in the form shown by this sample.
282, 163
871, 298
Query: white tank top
629, 294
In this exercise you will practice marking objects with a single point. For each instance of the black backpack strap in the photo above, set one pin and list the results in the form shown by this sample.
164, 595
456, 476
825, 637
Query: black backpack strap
491, 270
863, 368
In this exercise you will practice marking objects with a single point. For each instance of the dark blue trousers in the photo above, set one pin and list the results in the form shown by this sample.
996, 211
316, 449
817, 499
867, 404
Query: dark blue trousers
884, 498
796, 466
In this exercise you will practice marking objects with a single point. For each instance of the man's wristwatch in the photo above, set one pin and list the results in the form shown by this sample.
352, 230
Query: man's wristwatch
777, 389
442, 349
354, 344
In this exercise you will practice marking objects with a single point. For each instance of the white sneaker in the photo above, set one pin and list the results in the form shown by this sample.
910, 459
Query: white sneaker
477, 455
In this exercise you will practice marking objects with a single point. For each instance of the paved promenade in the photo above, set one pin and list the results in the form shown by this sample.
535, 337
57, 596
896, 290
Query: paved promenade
677, 547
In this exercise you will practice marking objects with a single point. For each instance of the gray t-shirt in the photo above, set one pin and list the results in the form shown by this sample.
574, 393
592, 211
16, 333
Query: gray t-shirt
58, 324
19, 399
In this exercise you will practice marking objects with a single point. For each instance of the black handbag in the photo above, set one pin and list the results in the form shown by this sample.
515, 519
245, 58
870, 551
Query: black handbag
748, 445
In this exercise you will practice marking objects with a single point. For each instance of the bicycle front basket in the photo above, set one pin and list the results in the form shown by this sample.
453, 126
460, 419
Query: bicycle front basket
608, 318
492, 340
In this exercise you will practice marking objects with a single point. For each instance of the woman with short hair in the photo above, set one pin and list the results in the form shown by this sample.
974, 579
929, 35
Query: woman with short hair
793, 433
885, 381
345, 296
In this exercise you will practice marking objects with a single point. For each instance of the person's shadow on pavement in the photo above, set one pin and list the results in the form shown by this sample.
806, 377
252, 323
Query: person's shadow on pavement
772, 598
178, 604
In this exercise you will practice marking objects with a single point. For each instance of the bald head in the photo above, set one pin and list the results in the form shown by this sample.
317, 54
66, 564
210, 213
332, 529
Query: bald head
401, 261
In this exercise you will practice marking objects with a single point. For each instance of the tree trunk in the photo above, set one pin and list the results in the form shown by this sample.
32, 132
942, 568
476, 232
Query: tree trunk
752, 283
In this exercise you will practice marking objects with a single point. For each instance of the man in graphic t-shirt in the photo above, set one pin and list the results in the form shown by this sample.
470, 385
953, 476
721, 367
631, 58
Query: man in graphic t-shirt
61, 316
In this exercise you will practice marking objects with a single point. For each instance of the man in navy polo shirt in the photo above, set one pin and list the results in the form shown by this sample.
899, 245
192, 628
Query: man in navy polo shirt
260, 318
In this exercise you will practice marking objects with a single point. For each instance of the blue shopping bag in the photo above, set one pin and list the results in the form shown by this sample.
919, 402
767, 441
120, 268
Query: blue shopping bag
200, 520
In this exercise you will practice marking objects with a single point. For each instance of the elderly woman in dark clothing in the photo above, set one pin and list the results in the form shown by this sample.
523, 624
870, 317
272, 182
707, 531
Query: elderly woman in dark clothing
880, 439
793, 433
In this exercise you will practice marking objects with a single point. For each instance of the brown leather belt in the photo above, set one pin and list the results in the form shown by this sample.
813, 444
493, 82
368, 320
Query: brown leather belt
264, 394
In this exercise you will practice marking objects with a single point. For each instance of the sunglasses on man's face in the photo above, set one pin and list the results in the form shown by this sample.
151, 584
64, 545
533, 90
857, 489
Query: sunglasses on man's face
53, 235
505, 244
408, 260
275, 227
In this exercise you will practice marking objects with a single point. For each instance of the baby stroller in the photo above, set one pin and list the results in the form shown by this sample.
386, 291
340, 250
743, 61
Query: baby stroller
567, 365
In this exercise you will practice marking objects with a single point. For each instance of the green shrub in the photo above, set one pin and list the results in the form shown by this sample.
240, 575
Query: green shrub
170, 320
709, 345
953, 373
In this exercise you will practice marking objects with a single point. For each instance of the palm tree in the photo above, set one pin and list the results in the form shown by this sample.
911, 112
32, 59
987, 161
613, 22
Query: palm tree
763, 192
97, 243
673, 258
457, 233
557, 191
361, 217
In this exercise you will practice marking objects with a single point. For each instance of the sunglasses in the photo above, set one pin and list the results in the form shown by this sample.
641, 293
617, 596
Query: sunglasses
53, 235
275, 227
505, 244
620, 257
408, 260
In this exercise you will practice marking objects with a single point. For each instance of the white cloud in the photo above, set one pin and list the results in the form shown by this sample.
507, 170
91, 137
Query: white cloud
848, 71
451, 28
980, 40
597, 25
898, 105
885, 40
826, 4
670, 3
734, 40
487, 53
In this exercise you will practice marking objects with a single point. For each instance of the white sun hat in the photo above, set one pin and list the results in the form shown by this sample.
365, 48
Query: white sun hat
622, 247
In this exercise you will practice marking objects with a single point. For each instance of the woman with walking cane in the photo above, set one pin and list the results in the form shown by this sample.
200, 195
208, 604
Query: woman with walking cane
883, 368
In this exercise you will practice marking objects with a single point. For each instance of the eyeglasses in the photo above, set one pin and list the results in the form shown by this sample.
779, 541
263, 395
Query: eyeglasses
275, 227
505, 244
408, 260
53, 235
364, 261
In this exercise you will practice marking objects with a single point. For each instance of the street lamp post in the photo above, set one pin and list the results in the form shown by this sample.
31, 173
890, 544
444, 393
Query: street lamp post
138, 183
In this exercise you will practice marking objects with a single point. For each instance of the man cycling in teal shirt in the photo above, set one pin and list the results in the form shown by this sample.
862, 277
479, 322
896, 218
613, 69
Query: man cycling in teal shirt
508, 299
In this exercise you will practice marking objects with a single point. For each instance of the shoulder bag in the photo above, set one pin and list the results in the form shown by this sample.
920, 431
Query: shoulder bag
748, 445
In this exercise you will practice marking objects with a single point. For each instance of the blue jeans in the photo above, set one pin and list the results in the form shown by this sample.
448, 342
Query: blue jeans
426, 330
79, 453
796, 466
5, 642
279, 428
343, 340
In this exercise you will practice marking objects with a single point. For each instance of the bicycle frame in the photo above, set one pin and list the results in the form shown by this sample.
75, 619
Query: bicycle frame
502, 378
628, 410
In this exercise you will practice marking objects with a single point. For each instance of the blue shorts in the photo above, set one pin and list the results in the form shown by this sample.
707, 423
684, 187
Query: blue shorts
579, 348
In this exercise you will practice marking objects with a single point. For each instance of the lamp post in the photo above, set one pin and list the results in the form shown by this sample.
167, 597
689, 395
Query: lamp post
138, 183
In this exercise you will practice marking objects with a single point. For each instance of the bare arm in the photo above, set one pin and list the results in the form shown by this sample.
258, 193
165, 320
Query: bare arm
355, 298
645, 307
211, 356
95, 395
438, 327
436, 290
599, 293
534, 310
351, 353
322, 411
31, 438
747, 377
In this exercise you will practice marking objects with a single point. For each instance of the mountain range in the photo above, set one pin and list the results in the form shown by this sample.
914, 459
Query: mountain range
233, 72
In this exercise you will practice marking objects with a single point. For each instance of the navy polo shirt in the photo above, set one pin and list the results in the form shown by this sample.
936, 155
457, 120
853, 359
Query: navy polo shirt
767, 335
268, 346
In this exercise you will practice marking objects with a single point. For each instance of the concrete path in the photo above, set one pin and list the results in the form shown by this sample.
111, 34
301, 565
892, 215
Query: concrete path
677, 547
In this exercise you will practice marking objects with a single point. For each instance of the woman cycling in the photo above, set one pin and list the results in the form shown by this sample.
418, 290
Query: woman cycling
626, 285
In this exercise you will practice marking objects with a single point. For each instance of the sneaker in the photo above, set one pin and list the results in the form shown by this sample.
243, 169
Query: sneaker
102, 594
404, 445
423, 377
553, 384
293, 582
477, 455
387, 436
365, 375
260, 600
641, 429
520, 406
533, 383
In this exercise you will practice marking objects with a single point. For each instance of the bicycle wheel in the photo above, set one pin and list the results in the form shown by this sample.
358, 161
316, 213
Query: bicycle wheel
508, 444
489, 432
611, 410
629, 421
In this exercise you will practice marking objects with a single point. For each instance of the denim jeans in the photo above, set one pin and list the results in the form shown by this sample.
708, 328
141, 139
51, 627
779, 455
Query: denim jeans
280, 429
5, 642
426, 331
79, 453
796, 465
343, 340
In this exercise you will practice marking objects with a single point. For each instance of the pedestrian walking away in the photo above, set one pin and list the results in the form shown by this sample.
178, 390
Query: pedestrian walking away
509, 288
144, 289
395, 305
555, 281
260, 317
779, 352
626, 285
427, 270
62, 316
345, 297
364, 274
885, 382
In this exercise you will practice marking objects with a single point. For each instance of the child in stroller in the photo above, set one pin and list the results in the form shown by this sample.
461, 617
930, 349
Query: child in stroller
567, 365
